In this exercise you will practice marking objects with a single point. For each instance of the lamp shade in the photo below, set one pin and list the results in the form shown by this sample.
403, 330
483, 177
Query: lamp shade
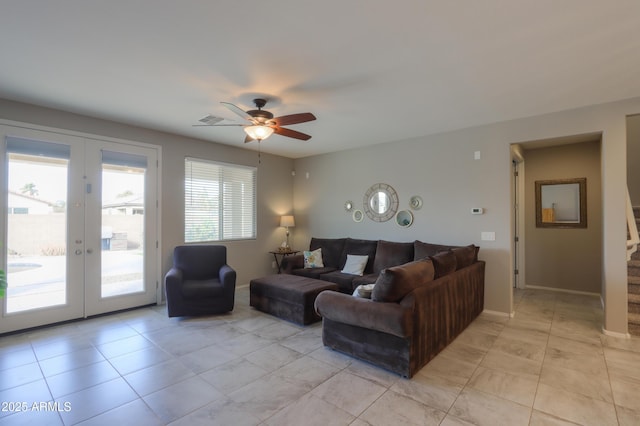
258, 132
287, 221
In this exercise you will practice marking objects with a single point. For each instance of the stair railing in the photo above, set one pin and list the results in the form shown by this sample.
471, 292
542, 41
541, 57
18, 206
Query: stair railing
634, 238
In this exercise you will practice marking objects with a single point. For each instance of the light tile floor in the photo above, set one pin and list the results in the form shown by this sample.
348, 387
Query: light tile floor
549, 365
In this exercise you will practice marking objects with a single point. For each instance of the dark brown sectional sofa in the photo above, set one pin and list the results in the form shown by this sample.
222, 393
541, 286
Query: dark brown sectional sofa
382, 254
417, 307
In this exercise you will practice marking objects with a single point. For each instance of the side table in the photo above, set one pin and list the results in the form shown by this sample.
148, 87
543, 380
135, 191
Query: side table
283, 254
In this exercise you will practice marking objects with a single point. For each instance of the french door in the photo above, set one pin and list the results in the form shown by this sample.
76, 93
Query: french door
80, 222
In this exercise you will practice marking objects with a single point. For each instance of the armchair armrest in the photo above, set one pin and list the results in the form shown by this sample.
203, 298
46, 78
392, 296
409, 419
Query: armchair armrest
389, 318
289, 263
227, 276
172, 282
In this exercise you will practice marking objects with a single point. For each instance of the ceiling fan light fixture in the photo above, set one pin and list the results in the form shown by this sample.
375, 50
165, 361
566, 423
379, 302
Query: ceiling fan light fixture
258, 132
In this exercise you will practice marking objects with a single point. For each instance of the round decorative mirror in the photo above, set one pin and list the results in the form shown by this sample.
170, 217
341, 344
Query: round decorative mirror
380, 202
348, 206
404, 218
358, 215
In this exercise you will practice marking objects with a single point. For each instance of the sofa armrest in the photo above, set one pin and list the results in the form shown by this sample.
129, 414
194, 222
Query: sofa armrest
289, 263
388, 318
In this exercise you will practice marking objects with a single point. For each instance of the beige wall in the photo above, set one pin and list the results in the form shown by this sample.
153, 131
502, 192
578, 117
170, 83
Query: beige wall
633, 158
250, 258
441, 168
564, 258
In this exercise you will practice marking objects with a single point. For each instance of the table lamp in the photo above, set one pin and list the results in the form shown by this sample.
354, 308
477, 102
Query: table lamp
286, 222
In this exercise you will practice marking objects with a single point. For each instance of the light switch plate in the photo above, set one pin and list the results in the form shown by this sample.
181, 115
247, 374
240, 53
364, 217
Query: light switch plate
488, 236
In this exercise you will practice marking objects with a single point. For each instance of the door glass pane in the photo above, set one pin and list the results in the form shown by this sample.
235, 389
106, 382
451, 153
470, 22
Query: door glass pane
122, 230
36, 231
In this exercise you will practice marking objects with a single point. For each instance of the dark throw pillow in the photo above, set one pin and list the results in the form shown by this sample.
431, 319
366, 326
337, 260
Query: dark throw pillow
396, 282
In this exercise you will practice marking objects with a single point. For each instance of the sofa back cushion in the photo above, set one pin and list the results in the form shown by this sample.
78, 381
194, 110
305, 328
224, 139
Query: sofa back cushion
423, 250
465, 256
396, 282
362, 248
390, 254
332, 249
444, 263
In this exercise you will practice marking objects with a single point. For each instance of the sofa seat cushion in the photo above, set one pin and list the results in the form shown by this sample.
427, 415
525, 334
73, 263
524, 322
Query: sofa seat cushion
396, 282
344, 281
390, 254
201, 289
390, 318
312, 272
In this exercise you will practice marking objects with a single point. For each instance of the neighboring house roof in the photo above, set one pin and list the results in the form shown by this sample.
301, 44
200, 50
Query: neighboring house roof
135, 200
32, 198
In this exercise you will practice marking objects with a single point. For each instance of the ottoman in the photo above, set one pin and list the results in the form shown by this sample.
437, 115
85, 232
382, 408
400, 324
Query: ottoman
290, 297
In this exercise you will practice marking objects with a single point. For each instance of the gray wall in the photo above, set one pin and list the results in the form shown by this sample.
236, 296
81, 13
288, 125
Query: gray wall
564, 258
250, 258
441, 169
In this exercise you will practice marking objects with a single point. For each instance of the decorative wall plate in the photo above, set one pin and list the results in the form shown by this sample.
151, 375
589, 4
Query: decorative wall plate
415, 202
358, 215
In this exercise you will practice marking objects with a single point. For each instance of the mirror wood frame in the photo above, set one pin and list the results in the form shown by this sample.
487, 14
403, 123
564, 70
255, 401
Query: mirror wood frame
392, 196
582, 193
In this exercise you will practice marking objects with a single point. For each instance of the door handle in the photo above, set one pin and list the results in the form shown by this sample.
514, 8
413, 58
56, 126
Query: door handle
89, 251
78, 252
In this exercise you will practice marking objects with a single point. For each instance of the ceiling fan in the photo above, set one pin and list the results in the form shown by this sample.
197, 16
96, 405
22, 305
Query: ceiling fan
262, 124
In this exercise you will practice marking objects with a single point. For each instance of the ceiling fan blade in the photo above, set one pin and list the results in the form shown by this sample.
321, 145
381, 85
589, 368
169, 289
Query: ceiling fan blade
285, 120
211, 119
291, 133
238, 111
216, 125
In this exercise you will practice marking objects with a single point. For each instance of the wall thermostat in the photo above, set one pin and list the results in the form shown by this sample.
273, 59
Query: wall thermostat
477, 210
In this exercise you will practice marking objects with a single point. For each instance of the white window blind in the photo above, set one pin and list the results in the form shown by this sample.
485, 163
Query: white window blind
220, 201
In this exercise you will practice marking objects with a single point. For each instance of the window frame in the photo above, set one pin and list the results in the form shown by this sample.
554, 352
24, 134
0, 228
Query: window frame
225, 205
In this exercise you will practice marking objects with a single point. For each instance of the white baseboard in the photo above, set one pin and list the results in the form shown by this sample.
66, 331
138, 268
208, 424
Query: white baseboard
615, 334
563, 290
498, 313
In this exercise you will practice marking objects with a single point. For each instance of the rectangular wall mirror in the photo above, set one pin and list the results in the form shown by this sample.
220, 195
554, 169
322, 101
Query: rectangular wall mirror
561, 203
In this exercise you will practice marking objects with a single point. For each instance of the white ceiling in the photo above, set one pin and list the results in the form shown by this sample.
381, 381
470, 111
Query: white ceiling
371, 72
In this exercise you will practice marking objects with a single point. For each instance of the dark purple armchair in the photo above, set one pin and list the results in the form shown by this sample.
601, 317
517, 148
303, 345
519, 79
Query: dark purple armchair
200, 281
